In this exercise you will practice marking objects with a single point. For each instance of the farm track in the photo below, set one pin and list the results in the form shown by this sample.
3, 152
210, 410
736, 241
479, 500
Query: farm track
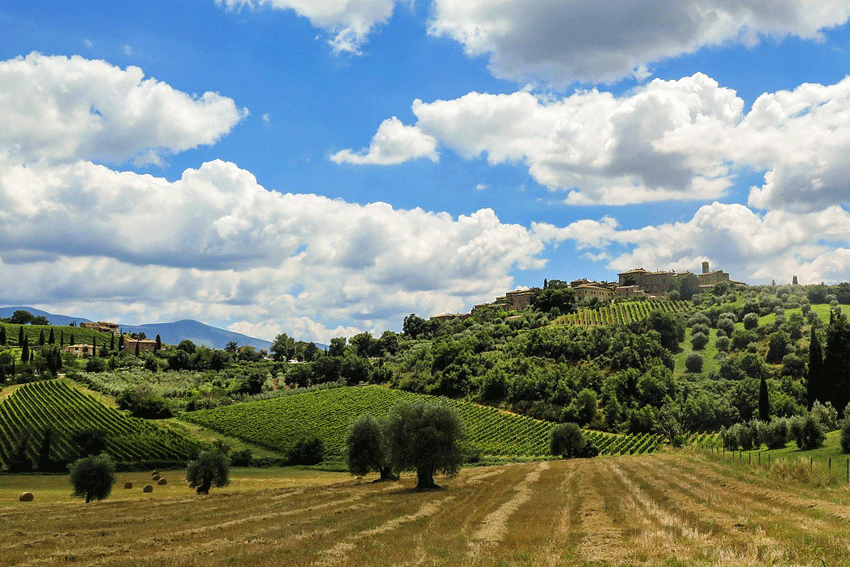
663, 509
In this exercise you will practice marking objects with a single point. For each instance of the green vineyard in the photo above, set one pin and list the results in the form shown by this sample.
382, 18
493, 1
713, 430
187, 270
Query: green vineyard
280, 423
621, 313
61, 334
35, 407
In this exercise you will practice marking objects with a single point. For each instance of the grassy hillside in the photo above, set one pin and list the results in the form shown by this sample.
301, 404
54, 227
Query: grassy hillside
280, 423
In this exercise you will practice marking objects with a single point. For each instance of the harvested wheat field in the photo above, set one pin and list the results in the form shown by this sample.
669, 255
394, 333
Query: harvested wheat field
664, 509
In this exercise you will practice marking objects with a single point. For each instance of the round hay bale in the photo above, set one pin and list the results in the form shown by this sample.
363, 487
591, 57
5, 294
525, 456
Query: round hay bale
26, 497
156, 477
128, 484
147, 488
162, 481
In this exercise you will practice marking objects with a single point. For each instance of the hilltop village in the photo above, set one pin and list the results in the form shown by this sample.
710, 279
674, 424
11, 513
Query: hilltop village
633, 284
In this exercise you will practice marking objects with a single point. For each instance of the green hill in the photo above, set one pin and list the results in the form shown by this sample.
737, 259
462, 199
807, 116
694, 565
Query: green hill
281, 422
33, 408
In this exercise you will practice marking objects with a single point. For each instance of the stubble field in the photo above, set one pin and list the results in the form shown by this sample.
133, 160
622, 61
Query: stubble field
664, 509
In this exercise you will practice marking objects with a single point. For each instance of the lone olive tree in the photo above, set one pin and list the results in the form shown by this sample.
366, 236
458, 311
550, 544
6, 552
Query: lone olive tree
92, 477
426, 436
567, 440
211, 469
367, 448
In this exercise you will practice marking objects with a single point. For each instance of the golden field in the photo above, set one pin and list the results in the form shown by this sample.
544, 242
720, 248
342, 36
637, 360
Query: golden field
663, 509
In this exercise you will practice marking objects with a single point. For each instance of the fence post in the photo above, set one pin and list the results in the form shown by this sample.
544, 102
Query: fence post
768, 460
749, 457
811, 463
830, 465
848, 471
759, 459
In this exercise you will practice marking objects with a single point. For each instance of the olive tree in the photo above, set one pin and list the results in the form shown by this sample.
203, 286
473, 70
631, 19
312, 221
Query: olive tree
92, 477
367, 447
212, 468
567, 440
426, 436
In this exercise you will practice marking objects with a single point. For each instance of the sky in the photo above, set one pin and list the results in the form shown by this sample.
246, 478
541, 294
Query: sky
321, 168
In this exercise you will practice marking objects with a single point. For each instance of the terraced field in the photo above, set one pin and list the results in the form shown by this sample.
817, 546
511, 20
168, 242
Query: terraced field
662, 509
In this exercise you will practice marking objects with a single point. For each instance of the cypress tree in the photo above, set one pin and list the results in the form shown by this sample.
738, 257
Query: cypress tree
25, 350
21, 335
3, 335
121, 341
836, 362
71, 342
61, 339
158, 344
41, 337
112, 342
51, 340
32, 356
137, 346
94, 345
814, 382
764, 401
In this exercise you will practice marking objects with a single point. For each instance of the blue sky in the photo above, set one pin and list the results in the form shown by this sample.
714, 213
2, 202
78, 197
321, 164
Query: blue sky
321, 168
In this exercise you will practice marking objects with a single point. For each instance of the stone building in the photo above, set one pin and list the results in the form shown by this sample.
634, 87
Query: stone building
584, 291
82, 350
708, 278
145, 345
101, 326
653, 283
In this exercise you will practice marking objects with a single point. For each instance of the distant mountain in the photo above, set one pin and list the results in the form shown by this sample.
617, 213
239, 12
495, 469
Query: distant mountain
170, 333
6, 312
198, 333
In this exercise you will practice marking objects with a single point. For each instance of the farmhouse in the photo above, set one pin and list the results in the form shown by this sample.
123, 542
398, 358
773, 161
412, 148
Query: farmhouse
145, 345
584, 291
82, 350
101, 326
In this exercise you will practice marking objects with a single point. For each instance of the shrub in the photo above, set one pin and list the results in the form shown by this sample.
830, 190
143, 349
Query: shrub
694, 363
776, 434
751, 321
807, 432
92, 477
242, 458
845, 435
308, 451
567, 440
211, 469
729, 438
826, 415
722, 344
699, 340
700, 328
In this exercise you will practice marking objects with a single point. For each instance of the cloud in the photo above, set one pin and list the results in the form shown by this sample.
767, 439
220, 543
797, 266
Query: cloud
561, 41
392, 144
597, 147
349, 23
128, 50
61, 109
216, 245
683, 140
750, 246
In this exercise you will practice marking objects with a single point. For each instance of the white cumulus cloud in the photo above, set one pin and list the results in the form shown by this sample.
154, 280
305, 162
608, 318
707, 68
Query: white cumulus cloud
66, 108
561, 41
392, 144
683, 139
349, 22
